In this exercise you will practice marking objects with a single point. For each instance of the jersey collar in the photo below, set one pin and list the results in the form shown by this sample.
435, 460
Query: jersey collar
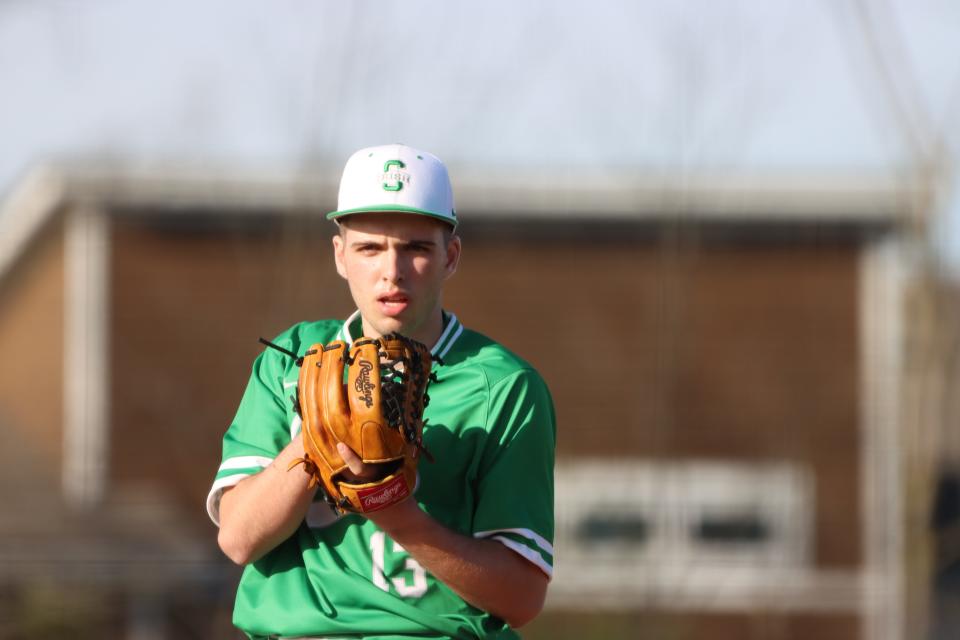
452, 328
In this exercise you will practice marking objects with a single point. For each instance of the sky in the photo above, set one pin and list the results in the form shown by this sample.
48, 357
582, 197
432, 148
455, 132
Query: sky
659, 86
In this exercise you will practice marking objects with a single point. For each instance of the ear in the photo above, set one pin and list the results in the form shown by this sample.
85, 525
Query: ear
338, 249
453, 255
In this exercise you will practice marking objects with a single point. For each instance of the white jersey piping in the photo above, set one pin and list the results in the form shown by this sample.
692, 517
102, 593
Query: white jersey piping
439, 349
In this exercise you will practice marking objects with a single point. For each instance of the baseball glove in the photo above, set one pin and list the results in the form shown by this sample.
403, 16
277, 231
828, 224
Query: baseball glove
378, 414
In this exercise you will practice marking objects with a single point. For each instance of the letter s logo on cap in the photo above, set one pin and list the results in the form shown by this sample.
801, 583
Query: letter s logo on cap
397, 177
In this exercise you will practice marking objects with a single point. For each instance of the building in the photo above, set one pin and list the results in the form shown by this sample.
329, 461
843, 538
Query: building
728, 357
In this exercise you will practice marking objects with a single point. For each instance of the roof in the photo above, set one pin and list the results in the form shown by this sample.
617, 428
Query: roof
626, 195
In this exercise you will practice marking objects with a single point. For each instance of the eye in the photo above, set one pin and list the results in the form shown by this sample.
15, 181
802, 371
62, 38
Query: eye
367, 249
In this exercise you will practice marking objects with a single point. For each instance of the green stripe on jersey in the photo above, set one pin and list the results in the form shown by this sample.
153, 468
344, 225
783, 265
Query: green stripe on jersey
491, 429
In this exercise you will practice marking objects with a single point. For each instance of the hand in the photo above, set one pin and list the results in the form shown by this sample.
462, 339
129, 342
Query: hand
359, 471
400, 515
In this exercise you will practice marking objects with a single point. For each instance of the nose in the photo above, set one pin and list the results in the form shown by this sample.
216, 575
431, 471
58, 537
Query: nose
391, 268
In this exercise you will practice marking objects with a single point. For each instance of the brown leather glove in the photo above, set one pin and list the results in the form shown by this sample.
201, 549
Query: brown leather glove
378, 414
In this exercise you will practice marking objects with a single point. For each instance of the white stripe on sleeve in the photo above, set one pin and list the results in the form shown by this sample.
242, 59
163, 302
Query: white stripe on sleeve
245, 462
220, 484
216, 491
527, 553
537, 539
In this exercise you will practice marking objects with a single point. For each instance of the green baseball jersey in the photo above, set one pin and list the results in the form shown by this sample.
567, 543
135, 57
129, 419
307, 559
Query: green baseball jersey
491, 429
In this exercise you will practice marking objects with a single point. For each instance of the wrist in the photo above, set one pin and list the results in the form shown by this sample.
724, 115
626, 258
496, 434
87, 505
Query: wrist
398, 520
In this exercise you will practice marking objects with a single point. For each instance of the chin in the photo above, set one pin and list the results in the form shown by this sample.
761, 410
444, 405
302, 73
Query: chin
390, 325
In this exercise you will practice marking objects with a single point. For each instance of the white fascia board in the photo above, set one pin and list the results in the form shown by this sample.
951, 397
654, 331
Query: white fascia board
26, 211
867, 197
228, 191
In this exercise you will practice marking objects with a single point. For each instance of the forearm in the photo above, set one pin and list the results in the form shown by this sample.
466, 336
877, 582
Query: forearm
483, 572
265, 509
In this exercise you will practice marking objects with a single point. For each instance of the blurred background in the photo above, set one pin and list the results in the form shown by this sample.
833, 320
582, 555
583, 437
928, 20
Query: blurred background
740, 219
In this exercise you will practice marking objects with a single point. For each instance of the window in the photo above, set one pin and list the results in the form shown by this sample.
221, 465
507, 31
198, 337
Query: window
636, 532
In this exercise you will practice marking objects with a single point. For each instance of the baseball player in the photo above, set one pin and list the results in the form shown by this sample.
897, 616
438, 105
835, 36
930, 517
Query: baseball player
469, 554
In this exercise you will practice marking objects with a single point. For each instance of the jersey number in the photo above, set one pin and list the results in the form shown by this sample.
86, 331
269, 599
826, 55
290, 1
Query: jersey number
417, 584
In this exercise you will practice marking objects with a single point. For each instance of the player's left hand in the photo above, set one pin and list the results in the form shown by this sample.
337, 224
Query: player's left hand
392, 518
360, 471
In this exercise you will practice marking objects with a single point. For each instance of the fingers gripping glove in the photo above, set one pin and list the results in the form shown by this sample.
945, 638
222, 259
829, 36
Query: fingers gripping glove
378, 414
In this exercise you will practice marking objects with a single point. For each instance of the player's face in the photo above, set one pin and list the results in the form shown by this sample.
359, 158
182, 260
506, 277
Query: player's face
395, 265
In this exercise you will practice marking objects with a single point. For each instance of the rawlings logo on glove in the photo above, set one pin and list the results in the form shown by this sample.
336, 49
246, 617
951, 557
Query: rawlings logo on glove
363, 386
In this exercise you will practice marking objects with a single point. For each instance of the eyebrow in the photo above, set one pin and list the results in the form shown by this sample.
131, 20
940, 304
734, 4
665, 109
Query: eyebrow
416, 242
420, 243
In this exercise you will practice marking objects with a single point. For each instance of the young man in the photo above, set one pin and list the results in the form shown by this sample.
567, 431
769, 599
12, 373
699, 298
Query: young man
470, 554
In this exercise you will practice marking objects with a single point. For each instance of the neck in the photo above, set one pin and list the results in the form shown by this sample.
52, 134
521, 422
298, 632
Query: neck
428, 333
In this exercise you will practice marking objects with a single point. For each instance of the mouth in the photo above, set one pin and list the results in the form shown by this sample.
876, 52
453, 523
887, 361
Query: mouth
392, 304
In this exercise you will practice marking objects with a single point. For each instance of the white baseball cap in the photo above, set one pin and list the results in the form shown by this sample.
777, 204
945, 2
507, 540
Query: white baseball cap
395, 178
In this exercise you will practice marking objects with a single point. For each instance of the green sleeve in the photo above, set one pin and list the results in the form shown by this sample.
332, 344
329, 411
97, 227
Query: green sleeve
261, 425
515, 479
260, 429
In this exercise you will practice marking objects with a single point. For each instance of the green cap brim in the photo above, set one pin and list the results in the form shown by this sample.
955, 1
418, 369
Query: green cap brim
392, 208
